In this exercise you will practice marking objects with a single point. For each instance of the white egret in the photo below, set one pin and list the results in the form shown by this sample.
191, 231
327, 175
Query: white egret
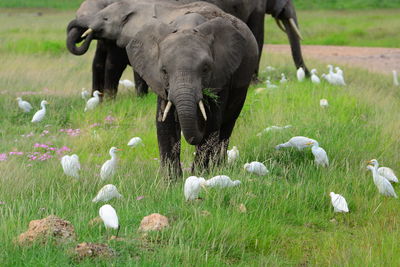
338, 202
339, 76
107, 193
323, 103
386, 172
24, 105
221, 181
314, 77
299, 142
270, 85
233, 154
110, 218
300, 74
384, 186
127, 83
283, 78
85, 94
192, 187
274, 128
256, 168
109, 167
93, 101
269, 69
39, 115
135, 141
395, 80
320, 156
71, 165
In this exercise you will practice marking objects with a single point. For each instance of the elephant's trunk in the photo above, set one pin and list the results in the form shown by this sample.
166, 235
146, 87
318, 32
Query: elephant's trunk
186, 105
295, 45
74, 32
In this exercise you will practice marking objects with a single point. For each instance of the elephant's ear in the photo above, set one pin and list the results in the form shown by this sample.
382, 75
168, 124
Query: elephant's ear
143, 53
227, 45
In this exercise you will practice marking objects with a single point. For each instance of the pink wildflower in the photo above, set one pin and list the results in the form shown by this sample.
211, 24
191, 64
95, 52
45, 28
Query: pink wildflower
95, 125
3, 157
139, 197
2, 203
109, 119
45, 132
15, 153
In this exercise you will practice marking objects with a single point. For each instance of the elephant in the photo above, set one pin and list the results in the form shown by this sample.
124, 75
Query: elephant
284, 11
199, 61
110, 60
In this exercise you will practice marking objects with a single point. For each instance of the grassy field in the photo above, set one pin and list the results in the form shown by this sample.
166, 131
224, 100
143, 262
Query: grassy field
303, 4
288, 218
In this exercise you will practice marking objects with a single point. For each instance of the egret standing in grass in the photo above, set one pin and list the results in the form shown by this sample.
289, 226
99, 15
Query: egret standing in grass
299, 142
314, 77
395, 80
84, 94
127, 83
323, 103
109, 167
71, 165
385, 172
107, 193
283, 78
39, 115
24, 105
192, 187
233, 154
93, 101
222, 181
384, 186
109, 216
320, 156
300, 74
135, 141
256, 168
339, 203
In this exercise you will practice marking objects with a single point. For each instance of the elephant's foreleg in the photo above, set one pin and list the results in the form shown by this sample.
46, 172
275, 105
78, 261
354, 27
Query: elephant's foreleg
116, 62
98, 67
256, 25
207, 152
169, 140
141, 86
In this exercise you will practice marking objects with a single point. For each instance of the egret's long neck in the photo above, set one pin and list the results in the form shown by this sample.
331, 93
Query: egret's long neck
113, 156
43, 106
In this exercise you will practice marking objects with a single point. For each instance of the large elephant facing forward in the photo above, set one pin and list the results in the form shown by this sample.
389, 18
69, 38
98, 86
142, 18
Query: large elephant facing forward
198, 60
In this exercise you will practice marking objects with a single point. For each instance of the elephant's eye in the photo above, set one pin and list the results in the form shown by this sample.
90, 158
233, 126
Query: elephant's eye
205, 69
105, 19
164, 71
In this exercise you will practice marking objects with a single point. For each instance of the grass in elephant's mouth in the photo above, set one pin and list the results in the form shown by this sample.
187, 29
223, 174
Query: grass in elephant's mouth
289, 217
209, 96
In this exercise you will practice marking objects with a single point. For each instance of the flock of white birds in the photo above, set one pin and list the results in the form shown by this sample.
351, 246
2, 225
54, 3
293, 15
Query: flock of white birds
382, 176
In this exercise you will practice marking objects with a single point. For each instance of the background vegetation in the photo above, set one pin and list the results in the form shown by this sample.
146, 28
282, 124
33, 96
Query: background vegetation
289, 216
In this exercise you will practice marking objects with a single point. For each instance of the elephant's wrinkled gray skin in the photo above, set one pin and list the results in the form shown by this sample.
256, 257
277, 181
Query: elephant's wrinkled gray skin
283, 10
203, 49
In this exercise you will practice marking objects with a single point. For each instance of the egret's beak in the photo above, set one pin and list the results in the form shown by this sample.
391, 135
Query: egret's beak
309, 143
369, 161
119, 149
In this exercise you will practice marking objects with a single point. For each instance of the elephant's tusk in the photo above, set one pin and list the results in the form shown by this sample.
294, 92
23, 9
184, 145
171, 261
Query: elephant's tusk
87, 32
166, 110
294, 26
279, 23
202, 109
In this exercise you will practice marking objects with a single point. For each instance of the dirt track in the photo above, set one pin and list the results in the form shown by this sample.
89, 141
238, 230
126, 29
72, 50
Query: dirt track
376, 59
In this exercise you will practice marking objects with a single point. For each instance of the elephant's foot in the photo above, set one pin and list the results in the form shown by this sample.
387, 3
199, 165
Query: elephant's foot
110, 94
208, 154
172, 170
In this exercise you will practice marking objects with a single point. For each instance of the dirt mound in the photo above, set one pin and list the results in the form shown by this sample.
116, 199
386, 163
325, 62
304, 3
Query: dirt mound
50, 228
153, 222
92, 250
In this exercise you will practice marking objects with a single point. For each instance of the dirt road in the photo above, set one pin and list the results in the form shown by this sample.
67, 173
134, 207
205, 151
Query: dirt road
376, 59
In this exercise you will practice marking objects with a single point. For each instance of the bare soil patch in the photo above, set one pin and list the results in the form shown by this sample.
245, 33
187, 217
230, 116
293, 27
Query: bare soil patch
375, 59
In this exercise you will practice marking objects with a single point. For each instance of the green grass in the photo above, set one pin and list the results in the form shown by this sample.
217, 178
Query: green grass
288, 211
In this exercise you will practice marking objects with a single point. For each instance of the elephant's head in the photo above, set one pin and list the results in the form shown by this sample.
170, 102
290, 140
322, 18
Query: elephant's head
179, 64
84, 16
